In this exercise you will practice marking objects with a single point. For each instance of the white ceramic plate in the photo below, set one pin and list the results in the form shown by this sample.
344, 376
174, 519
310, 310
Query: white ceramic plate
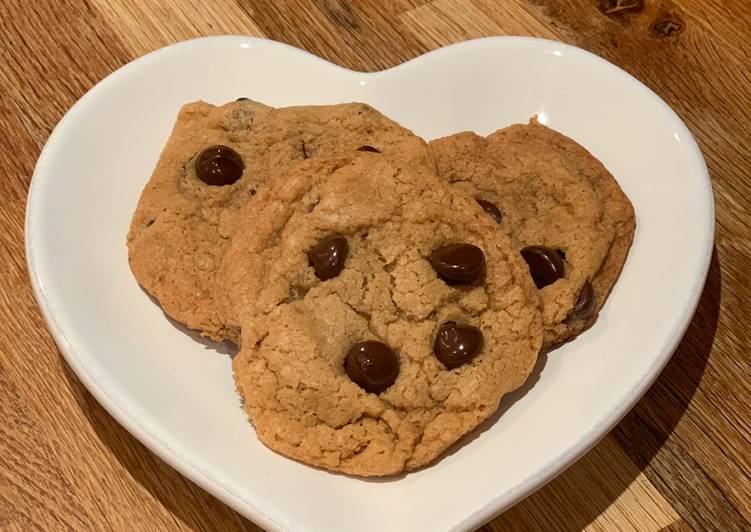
175, 394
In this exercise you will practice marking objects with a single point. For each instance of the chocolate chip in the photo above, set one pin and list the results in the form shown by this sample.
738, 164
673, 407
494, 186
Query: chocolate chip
242, 99
372, 365
219, 165
561, 253
458, 263
457, 344
369, 148
585, 305
304, 151
545, 265
328, 256
492, 209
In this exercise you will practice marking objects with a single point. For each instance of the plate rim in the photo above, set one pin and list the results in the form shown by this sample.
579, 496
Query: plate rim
492, 506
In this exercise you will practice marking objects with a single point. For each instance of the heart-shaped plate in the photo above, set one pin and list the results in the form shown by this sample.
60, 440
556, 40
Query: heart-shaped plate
175, 393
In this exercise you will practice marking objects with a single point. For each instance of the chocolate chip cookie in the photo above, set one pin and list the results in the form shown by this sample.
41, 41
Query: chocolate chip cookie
383, 315
573, 223
214, 161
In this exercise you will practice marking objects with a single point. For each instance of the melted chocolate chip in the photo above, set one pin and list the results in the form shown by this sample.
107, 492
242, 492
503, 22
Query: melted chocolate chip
369, 148
492, 209
458, 263
242, 99
373, 366
457, 344
585, 305
545, 265
219, 166
328, 256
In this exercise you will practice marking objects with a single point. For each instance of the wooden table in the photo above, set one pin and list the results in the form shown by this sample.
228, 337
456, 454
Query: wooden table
681, 459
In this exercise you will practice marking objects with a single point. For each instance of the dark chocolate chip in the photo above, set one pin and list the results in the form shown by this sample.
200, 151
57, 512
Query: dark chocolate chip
328, 256
458, 263
372, 365
369, 148
219, 165
585, 305
545, 265
457, 344
242, 99
492, 209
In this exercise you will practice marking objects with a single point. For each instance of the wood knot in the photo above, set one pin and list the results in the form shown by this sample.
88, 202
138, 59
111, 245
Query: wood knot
666, 27
617, 8
340, 12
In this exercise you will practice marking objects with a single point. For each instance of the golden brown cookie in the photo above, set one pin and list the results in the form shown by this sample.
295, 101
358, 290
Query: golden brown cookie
383, 315
573, 223
213, 162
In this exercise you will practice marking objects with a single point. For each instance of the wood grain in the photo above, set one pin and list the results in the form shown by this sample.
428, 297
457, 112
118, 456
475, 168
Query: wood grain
681, 460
